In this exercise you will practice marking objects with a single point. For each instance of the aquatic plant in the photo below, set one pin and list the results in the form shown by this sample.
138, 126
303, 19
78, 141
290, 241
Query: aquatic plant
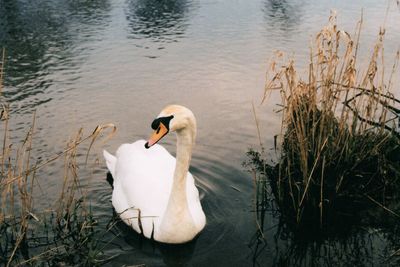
340, 144
333, 187
61, 234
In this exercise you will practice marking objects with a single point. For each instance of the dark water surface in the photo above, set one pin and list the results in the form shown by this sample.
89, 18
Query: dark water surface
84, 63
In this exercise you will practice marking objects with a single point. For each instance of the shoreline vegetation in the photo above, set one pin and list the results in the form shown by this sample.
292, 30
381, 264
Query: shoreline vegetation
338, 159
64, 233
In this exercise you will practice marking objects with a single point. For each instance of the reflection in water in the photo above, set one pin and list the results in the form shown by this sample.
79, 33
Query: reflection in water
158, 20
358, 247
171, 254
39, 38
305, 247
94, 13
177, 255
283, 15
356, 231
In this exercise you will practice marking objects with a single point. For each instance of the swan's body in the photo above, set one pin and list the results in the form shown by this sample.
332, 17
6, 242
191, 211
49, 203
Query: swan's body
153, 192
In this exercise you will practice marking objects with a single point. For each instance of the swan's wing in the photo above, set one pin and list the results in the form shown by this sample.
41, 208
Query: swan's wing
143, 182
110, 161
194, 203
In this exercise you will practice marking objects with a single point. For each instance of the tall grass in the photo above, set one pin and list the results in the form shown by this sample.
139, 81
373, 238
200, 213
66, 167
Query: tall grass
340, 138
64, 232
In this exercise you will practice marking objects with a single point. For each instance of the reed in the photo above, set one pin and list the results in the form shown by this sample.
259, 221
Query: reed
64, 232
340, 140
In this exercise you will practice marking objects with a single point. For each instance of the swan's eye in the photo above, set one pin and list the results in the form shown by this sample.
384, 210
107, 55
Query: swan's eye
155, 124
164, 120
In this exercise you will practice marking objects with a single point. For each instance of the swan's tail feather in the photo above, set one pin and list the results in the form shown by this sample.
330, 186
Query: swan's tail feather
110, 161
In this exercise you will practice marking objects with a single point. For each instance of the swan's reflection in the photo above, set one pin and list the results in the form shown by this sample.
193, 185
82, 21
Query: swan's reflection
174, 255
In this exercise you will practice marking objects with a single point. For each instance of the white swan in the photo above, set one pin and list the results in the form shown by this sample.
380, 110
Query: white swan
153, 192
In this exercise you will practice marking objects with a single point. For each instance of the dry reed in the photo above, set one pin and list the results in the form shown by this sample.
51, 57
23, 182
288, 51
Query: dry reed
340, 138
62, 235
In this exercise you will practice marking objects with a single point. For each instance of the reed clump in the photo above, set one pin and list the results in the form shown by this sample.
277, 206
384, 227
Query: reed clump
61, 234
340, 140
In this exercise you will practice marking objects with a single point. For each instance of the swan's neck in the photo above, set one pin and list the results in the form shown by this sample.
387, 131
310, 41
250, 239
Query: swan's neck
183, 155
177, 213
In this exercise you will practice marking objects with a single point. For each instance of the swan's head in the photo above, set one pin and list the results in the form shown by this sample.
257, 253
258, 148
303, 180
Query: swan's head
172, 118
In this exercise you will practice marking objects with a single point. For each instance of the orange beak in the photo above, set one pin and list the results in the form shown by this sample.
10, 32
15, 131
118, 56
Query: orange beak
161, 131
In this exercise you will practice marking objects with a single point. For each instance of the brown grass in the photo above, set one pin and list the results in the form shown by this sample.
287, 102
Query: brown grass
340, 134
64, 233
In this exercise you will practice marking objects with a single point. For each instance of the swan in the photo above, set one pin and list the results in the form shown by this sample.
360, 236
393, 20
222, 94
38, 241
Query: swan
154, 193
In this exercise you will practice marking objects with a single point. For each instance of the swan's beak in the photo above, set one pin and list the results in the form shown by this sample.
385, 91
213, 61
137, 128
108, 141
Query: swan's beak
161, 131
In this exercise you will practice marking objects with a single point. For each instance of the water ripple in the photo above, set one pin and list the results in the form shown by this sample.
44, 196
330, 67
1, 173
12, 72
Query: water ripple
160, 21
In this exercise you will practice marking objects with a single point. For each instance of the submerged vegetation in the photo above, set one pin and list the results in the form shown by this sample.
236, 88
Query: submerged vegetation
339, 156
61, 234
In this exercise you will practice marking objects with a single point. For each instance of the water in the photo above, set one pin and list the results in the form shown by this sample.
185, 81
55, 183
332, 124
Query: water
84, 63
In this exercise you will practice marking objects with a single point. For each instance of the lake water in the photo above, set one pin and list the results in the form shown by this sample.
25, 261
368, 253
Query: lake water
84, 63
